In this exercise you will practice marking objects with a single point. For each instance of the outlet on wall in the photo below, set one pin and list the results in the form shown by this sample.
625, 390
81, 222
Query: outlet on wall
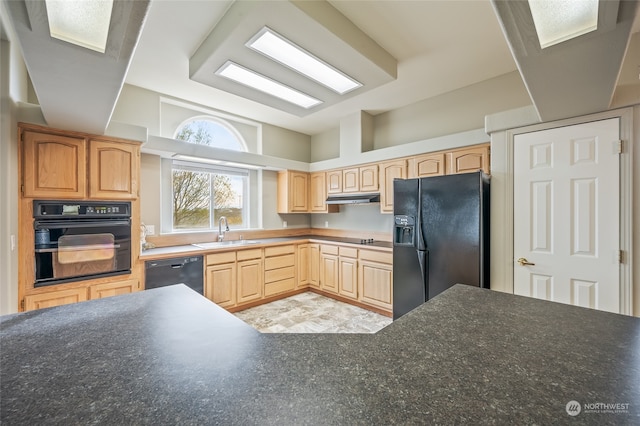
151, 229
284, 223
326, 223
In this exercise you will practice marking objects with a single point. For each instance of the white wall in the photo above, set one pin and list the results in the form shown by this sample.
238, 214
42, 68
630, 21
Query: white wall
13, 89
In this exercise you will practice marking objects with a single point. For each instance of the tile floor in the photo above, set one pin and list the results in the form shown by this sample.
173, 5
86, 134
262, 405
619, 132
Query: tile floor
312, 313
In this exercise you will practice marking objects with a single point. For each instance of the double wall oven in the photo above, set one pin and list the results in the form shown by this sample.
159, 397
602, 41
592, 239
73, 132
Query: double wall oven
79, 240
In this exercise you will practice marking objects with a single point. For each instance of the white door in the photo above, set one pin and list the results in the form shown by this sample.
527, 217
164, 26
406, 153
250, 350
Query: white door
566, 215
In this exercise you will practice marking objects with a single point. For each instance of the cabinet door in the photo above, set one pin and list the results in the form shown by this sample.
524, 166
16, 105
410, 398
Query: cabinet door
113, 170
334, 182
318, 194
348, 277
329, 272
220, 284
351, 180
299, 187
54, 298
98, 291
426, 165
468, 160
249, 280
53, 166
369, 178
314, 265
303, 265
376, 284
388, 172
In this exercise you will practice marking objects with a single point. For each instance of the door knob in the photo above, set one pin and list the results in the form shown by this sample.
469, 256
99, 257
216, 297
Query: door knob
524, 262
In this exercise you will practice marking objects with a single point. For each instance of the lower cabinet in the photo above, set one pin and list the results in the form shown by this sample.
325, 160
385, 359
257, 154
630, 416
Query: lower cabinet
74, 295
348, 272
279, 269
220, 280
375, 279
250, 282
329, 268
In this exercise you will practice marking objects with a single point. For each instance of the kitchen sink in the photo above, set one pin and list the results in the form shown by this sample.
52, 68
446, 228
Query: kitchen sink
219, 244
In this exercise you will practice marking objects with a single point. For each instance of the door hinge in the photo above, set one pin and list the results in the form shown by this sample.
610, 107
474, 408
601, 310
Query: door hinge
621, 259
618, 146
22, 305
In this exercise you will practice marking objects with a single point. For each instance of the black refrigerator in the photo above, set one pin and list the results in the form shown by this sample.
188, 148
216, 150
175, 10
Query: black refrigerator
440, 236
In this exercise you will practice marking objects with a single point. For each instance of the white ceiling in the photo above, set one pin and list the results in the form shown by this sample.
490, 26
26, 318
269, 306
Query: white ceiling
440, 46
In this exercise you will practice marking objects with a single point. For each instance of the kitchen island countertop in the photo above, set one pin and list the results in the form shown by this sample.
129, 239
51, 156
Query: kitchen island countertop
170, 356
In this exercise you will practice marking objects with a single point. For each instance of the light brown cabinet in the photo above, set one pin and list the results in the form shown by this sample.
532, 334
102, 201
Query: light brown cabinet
329, 268
56, 165
348, 272
80, 294
334, 182
389, 171
375, 279
369, 178
318, 194
220, 279
468, 160
293, 192
250, 284
426, 165
113, 170
54, 298
53, 166
279, 269
350, 180
116, 288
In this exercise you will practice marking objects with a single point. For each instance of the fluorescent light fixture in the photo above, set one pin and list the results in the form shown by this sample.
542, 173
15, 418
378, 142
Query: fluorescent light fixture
216, 162
81, 22
252, 79
560, 20
278, 48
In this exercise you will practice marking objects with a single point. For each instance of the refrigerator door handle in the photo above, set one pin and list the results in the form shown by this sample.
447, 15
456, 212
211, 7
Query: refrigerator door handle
424, 270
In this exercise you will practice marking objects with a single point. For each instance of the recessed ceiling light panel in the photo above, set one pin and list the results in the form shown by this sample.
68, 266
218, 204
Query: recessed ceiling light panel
560, 20
278, 48
264, 84
83, 23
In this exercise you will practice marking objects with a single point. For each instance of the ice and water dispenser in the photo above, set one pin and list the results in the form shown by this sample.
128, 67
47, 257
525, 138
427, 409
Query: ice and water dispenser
404, 230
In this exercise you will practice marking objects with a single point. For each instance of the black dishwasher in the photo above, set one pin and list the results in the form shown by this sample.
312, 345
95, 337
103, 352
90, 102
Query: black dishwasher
181, 270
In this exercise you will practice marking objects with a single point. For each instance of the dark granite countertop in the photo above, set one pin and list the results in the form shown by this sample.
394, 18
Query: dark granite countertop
193, 249
170, 356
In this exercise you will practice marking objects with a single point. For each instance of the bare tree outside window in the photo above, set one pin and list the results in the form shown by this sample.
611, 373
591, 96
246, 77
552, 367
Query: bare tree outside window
194, 191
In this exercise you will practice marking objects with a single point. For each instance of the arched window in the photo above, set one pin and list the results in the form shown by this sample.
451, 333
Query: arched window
211, 131
202, 192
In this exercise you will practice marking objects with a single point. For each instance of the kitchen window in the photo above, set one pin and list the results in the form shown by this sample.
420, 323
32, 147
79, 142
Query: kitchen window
197, 192
201, 194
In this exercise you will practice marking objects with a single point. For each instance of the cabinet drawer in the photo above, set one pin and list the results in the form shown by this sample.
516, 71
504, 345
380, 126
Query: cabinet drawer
376, 256
279, 274
249, 254
278, 250
329, 249
218, 258
279, 286
279, 262
348, 252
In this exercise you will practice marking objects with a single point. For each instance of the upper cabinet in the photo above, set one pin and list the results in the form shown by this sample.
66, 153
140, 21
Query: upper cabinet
318, 194
57, 164
53, 165
113, 169
293, 192
354, 179
426, 165
389, 171
468, 160
334, 182
368, 178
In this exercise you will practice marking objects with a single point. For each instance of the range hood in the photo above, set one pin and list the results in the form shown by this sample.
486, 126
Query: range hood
353, 198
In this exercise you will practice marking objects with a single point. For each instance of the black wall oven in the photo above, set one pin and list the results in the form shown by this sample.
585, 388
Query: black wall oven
79, 240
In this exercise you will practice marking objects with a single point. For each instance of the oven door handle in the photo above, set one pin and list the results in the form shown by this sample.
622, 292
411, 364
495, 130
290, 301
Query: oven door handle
53, 224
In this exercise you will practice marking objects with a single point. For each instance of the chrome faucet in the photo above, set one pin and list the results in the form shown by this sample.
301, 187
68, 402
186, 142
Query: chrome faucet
226, 227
